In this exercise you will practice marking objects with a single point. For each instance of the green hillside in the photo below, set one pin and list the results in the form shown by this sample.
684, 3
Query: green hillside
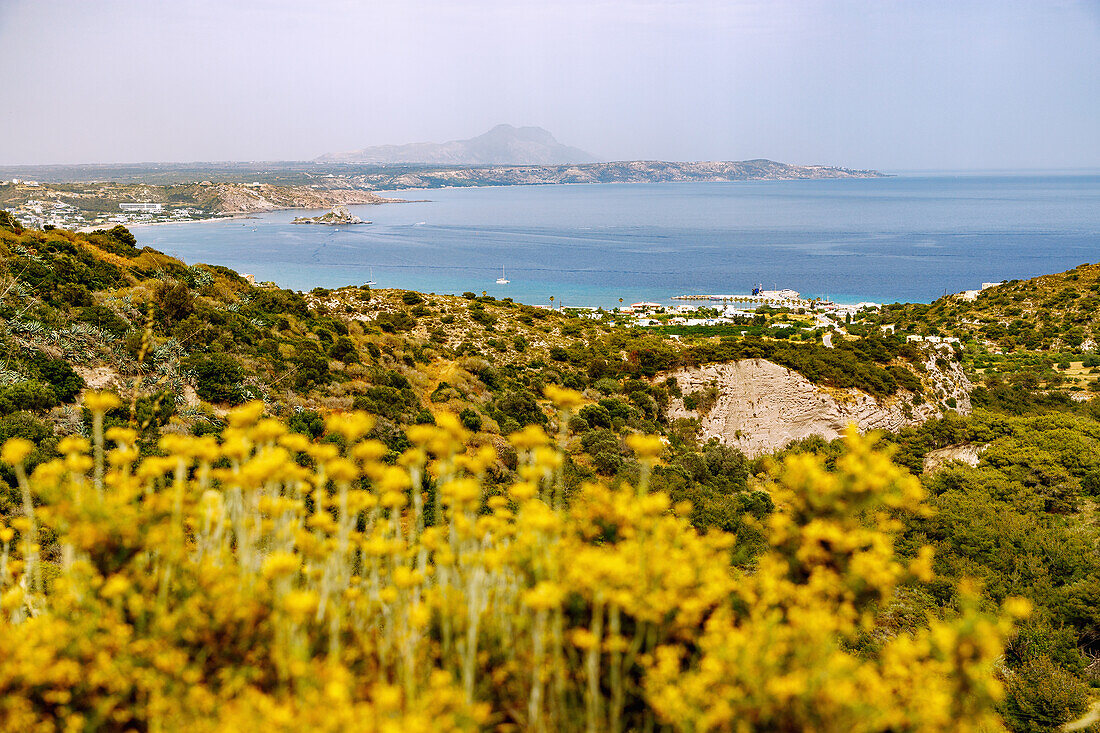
130, 317
184, 344
1047, 313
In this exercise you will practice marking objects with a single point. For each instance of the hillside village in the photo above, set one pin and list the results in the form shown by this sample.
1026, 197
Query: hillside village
85, 206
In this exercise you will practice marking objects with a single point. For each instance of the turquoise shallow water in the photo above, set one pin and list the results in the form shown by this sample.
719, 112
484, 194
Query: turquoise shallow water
906, 238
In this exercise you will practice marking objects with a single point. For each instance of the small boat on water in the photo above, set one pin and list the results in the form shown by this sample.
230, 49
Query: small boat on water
370, 283
502, 280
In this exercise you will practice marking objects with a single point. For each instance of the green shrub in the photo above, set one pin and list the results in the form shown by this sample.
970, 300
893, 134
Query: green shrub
1041, 696
307, 422
9, 222
65, 382
395, 322
311, 365
521, 407
390, 402
607, 462
597, 441
118, 240
471, 420
174, 299
30, 395
480, 315
217, 377
75, 294
578, 425
25, 425
103, 317
344, 350
595, 416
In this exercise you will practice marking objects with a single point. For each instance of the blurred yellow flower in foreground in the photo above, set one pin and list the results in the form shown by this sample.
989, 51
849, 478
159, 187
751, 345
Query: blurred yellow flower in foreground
263, 580
16, 450
101, 401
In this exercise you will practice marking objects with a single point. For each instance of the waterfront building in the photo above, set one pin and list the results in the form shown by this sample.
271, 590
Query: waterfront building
144, 208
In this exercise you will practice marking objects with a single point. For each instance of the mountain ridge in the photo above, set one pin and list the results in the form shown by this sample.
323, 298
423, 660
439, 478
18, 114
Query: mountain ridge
502, 145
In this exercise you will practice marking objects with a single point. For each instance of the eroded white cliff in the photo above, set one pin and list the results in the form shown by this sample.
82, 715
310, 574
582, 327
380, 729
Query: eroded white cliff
762, 406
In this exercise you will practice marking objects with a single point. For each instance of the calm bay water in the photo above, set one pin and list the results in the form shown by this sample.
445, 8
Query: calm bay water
907, 238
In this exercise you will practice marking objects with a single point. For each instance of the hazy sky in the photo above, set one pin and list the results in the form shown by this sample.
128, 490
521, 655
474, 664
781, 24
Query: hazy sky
890, 84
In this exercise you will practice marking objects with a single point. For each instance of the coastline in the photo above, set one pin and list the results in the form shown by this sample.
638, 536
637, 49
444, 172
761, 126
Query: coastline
240, 215
594, 246
418, 189
142, 224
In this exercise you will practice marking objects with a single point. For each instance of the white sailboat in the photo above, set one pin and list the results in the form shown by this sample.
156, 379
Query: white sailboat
502, 280
371, 283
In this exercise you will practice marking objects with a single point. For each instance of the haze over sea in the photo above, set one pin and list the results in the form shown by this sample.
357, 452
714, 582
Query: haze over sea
905, 238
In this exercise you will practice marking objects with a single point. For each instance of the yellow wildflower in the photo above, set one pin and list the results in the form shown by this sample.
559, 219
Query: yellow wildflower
530, 437
341, 469
1017, 607
16, 450
369, 451
545, 595
280, 564
645, 446
299, 604
563, 397
351, 425
73, 444
246, 414
100, 401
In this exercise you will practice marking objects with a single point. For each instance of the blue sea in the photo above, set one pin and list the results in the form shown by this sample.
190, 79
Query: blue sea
904, 238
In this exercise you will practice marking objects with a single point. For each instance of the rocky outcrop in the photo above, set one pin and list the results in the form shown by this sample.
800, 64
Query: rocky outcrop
967, 453
762, 406
339, 216
101, 377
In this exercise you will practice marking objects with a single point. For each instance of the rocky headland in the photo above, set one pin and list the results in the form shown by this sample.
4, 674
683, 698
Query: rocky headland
237, 198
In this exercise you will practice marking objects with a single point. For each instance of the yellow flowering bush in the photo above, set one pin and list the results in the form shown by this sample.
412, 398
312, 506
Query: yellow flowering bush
261, 580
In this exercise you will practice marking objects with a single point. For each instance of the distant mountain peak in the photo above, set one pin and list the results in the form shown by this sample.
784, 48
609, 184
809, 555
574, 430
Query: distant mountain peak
503, 145
521, 133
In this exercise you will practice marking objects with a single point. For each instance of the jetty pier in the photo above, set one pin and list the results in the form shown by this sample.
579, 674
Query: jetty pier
781, 298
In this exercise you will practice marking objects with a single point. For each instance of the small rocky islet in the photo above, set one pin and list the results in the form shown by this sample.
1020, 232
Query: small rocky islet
337, 217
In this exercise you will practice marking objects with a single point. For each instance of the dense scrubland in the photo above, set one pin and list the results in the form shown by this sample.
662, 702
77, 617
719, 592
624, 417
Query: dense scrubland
226, 505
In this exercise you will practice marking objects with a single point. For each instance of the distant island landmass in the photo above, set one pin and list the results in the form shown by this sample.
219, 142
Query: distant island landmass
632, 171
88, 196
